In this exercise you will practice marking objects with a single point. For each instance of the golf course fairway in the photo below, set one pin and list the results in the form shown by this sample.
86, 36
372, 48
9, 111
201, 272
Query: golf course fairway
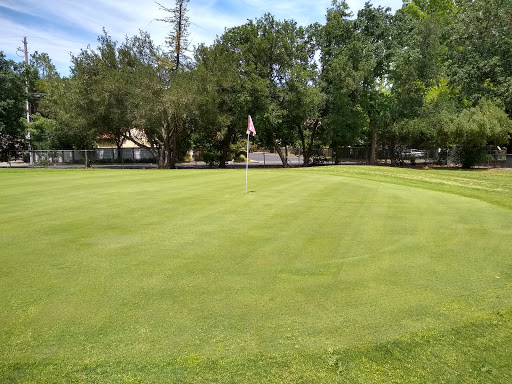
320, 275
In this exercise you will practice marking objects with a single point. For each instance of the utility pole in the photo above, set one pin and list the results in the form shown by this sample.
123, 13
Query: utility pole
26, 89
26, 50
26, 79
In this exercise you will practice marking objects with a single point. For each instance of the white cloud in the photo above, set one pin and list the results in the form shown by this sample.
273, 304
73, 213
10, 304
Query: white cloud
57, 47
62, 26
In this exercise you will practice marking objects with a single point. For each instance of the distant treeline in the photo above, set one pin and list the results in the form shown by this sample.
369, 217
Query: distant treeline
436, 73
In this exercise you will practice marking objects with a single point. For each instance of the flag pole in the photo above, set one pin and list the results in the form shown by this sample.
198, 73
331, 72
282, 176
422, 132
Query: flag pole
247, 163
250, 132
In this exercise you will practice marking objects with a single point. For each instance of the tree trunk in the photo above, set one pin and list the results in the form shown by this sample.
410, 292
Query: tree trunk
120, 153
306, 157
308, 149
174, 155
161, 158
373, 143
119, 145
166, 155
277, 148
223, 158
305, 153
158, 152
336, 153
392, 154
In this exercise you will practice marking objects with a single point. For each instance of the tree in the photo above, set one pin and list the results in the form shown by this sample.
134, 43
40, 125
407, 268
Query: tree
12, 106
44, 65
177, 39
480, 55
101, 78
356, 57
162, 118
228, 90
43, 72
342, 75
48, 133
432, 124
418, 64
124, 91
374, 31
159, 106
449, 53
69, 104
291, 112
269, 51
475, 128
481, 58
304, 102
256, 60
299, 96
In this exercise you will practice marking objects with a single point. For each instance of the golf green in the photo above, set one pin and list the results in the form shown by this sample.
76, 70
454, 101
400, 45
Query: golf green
354, 274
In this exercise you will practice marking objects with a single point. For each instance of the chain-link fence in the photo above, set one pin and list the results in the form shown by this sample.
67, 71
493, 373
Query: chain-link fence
84, 158
259, 157
491, 156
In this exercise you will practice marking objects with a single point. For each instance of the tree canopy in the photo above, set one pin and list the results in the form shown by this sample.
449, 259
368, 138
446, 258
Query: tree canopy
13, 97
436, 73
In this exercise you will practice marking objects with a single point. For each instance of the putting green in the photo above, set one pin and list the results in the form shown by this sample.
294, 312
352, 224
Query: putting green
180, 267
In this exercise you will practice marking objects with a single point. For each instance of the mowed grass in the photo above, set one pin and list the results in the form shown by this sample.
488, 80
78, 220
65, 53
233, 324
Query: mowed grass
335, 274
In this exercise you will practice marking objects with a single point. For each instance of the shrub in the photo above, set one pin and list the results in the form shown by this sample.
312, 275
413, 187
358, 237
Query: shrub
469, 156
240, 159
210, 158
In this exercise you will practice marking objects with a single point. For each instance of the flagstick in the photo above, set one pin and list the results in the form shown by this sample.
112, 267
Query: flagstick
247, 163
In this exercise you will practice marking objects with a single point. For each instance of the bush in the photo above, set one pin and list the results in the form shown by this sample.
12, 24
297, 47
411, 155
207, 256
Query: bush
240, 159
210, 158
469, 156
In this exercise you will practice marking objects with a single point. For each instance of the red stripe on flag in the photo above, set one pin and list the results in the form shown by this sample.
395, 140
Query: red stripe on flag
250, 127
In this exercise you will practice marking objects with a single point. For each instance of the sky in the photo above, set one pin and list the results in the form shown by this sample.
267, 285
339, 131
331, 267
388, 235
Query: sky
63, 27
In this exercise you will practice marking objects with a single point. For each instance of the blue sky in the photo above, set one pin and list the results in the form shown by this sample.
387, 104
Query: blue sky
61, 27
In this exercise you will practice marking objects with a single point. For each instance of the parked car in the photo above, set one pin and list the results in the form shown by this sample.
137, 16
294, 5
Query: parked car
416, 153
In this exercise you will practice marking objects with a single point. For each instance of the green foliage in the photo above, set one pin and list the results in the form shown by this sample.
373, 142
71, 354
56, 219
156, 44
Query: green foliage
470, 155
43, 63
12, 105
49, 134
419, 77
480, 51
445, 122
225, 94
240, 159
474, 128
264, 68
124, 92
43, 72
485, 123
417, 65
94, 100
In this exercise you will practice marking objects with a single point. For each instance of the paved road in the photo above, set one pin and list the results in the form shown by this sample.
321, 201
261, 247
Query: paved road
273, 159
